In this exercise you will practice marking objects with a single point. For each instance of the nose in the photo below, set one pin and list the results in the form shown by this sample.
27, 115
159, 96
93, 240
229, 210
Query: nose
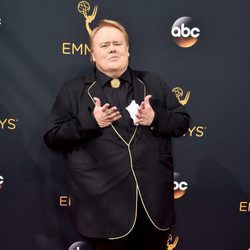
112, 49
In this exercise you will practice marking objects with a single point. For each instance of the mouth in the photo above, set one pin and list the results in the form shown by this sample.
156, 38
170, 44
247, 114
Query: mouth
113, 58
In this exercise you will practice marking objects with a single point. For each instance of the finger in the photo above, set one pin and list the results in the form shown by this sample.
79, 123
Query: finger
140, 122
97, 101
138, 116
136, 122
143, 122
146, 99
109, 112
104, 124
112, 115
115, 118
140, 109
143, 105
112, 110
105, 107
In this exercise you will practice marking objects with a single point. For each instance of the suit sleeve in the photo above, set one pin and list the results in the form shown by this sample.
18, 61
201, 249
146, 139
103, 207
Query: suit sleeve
65, 127
171, 118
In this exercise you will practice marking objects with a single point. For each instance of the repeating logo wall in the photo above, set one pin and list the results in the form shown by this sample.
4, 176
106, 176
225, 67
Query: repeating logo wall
180, 186
81, 245
184, 33
179, 95
64, 201
172, 242
1, 182
71, 48
8, 123
244, 206
84, 9
196, 131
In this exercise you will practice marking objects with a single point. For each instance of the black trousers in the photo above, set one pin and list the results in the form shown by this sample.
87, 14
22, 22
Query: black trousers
144, 236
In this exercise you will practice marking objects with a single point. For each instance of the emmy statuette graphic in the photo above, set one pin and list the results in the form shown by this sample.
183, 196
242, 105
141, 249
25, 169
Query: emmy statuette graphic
84, 9
171, 244
179, 94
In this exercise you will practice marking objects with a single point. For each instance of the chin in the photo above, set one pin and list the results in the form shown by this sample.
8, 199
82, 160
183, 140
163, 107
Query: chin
115, 67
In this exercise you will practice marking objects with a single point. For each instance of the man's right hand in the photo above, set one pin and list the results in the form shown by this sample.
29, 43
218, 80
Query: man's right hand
105, 115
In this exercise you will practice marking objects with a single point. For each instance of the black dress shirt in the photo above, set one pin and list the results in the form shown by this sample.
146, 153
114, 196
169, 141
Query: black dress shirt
120, 97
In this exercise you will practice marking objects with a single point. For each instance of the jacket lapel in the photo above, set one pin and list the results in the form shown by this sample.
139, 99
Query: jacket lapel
139, 89
95, 90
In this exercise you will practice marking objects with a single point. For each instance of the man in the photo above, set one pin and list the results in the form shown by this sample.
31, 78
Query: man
119, 169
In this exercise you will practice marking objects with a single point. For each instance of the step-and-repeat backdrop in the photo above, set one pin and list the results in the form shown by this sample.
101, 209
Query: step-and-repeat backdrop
200, 48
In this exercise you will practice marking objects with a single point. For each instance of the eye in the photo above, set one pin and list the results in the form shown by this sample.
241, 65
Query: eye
104, 45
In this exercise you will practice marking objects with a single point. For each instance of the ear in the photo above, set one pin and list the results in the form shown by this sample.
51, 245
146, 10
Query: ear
93, 58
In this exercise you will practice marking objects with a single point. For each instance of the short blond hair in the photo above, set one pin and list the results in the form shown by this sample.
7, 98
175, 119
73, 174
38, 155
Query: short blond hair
108, 23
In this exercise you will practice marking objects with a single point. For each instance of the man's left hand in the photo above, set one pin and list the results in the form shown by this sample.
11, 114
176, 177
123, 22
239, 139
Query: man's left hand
146, 114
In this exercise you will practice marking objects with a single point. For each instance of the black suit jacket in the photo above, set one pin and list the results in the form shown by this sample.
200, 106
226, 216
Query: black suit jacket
107, 174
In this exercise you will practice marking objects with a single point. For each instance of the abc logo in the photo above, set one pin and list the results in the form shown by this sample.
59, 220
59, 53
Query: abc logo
184, 33
81, 245
180, 186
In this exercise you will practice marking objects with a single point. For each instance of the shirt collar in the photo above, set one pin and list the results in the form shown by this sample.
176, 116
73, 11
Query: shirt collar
102, 79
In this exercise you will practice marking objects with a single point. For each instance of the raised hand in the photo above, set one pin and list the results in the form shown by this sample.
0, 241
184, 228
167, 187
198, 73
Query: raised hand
146, 114
104, 115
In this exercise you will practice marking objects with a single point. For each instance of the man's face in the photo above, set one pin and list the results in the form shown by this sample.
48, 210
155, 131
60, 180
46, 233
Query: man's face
110, 51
